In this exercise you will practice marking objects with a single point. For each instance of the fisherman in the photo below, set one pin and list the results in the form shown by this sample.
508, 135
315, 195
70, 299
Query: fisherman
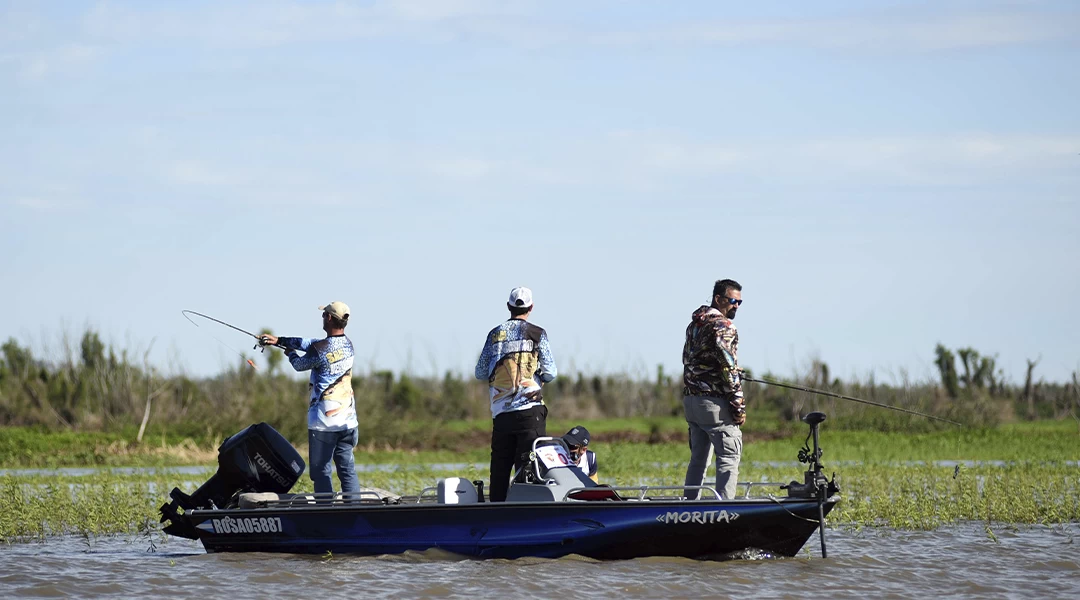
516, 362
712, 391
577, 441
332, 409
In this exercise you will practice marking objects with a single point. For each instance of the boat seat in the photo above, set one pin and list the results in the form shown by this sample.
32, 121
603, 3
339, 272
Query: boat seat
598, 493
456, 490
260, 499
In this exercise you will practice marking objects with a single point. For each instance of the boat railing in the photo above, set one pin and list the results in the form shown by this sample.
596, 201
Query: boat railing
644, 492
430, 495
433, 492
319, 499
649, 492
750, 485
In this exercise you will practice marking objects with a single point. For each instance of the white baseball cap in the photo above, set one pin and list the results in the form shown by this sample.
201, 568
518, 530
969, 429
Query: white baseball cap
337, 309
520, 297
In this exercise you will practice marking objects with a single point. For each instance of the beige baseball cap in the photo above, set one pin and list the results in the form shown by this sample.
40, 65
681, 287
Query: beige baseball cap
337, 309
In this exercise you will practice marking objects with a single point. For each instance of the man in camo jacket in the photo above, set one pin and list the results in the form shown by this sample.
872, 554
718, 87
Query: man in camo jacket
712, 390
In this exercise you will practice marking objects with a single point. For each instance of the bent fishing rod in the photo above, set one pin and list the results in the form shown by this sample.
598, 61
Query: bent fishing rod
843, 397
260, 343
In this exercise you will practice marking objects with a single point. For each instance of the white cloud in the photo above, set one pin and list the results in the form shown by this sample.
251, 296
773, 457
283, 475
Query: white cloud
938, 159
47, 204
463, 168
435, 10
33, 203
194, 172
282, 172
269, 180
536, 24
651, 159
690, 157
37, 65
929, 32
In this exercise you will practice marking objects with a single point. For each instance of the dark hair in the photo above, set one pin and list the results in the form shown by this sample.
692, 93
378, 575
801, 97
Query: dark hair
337, 323
517, 311
721, 287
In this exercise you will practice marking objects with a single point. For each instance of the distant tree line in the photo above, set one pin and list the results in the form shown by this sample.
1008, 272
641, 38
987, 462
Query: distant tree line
98, 387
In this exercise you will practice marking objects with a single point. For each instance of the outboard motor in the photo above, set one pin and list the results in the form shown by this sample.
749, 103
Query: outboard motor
258, 459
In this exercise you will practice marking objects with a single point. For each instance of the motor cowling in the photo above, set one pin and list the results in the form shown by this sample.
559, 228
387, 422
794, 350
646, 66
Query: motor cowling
257, 459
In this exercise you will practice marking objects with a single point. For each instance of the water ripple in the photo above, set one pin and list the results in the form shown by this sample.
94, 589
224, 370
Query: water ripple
956, 562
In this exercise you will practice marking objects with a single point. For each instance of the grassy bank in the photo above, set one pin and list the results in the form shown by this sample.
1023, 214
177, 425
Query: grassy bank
89, 386
29, 447
617, 440
898, 496
886, 478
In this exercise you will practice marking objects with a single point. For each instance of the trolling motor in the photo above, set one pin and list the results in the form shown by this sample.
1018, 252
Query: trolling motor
813, 478
815, 484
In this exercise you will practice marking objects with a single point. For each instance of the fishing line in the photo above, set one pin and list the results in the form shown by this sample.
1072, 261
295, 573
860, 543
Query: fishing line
250, 362
843, 397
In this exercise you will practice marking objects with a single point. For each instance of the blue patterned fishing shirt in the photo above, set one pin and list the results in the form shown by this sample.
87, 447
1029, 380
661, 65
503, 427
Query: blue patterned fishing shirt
516, 361
330, 360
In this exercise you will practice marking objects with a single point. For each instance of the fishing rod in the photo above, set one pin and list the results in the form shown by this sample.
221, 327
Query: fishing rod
259, 340
843, 397
199, 314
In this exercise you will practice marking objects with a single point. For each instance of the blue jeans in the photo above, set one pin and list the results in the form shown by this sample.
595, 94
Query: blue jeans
337, 445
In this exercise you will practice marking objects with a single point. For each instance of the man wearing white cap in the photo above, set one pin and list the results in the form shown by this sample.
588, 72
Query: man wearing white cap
332, 408
516, 362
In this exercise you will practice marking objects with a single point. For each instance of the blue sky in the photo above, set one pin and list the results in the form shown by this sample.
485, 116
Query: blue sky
880, 177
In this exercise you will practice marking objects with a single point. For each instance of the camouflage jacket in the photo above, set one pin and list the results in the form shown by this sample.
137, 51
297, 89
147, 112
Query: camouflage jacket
710, 358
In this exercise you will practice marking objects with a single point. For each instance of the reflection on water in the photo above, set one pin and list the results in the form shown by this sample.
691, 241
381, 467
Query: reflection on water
960, 561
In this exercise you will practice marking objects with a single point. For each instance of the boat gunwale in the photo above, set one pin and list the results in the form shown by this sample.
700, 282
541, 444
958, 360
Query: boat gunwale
577, 504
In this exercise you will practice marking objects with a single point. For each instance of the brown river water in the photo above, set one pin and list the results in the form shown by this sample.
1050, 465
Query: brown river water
959, 561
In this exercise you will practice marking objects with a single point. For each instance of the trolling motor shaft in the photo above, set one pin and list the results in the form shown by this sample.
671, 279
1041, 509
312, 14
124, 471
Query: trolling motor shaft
813, 477
815, 484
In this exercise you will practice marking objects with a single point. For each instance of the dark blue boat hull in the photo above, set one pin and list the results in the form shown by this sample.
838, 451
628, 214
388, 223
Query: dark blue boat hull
601, 530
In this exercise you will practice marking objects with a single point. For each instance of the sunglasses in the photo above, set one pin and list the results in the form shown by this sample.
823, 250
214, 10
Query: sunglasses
733, 301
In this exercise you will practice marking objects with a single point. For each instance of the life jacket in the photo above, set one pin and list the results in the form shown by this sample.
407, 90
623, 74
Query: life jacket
587, 463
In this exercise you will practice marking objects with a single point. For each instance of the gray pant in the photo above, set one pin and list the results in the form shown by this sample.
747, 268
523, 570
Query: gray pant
712, 428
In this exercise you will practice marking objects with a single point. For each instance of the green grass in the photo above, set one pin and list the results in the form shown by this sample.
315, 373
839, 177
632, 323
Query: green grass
1037, 441
898, 496
887, 479
1041, 441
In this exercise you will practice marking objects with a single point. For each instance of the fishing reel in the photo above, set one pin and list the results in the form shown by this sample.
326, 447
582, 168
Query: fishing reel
261, 343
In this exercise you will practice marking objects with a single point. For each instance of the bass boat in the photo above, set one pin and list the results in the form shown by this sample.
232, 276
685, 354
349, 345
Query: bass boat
551, 510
